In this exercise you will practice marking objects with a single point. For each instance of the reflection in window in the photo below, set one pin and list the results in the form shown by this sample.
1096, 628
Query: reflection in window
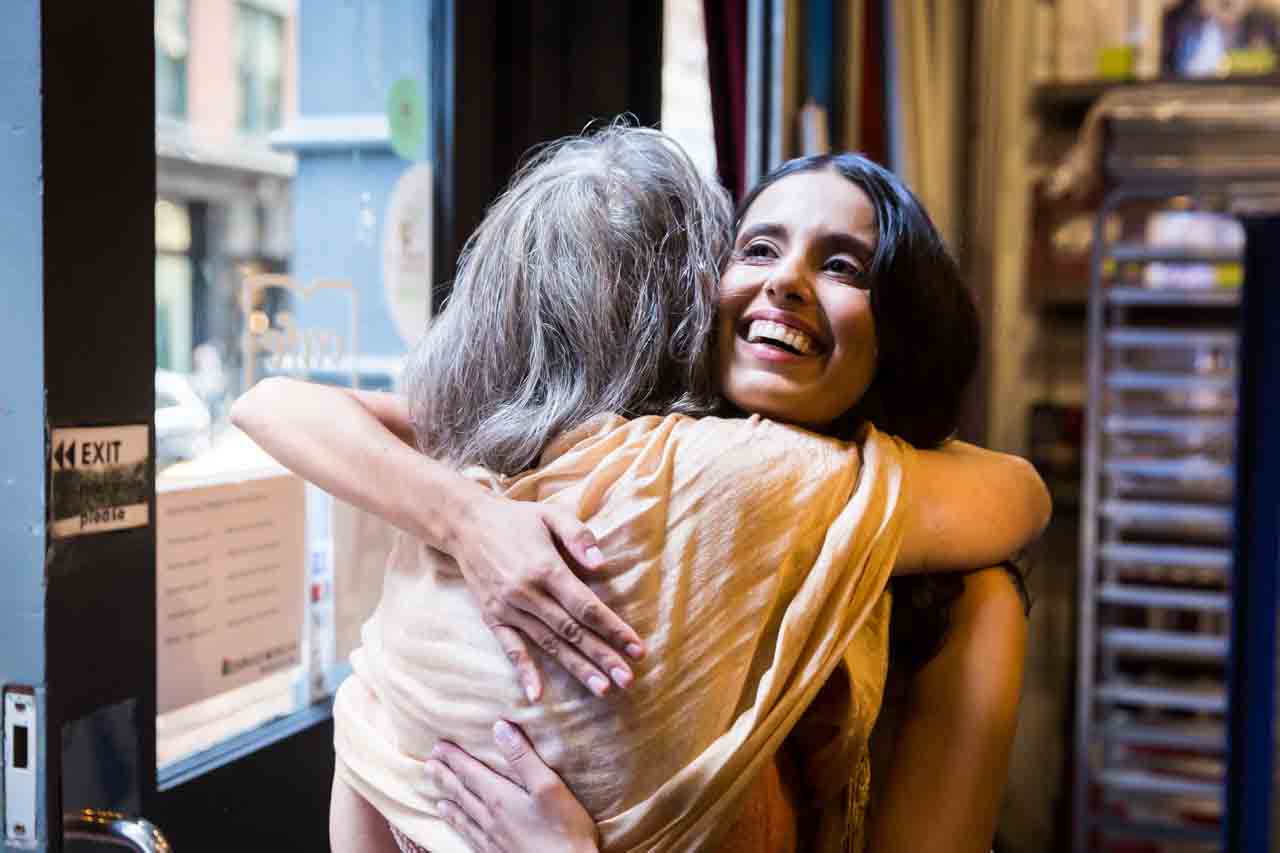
173, 286
262, 584
230, 656
259, 68
172, 42
224, 198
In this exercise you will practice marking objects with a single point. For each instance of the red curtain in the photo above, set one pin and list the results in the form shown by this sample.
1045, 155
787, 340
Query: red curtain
872, 107
726, 27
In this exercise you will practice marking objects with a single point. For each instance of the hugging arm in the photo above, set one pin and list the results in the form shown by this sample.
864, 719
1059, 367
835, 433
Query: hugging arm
951, 756
970, 507
358, 446
950, 760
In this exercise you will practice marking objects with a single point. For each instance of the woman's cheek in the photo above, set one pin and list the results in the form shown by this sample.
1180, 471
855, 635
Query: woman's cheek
735, 284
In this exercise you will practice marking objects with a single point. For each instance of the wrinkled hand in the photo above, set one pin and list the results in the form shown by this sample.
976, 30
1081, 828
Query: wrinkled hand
535, 813
507, 552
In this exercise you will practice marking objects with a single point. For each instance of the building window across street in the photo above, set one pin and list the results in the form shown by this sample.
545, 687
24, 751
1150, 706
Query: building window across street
259, 68
172, 43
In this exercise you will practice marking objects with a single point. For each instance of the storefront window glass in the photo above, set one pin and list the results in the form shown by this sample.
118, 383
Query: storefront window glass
292, 238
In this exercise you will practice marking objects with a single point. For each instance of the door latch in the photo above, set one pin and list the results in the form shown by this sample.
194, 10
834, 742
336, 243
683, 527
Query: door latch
21, 762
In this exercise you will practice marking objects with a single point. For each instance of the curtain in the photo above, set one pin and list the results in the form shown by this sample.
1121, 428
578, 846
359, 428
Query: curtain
928, 83
824, 57
726, 28
867, 130
1034, 811
1000, 208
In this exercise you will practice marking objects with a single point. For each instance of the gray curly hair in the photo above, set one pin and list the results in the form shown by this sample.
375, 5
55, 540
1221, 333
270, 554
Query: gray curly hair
589, 287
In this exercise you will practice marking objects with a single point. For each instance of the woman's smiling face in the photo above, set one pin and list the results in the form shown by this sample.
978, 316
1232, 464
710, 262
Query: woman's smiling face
797, 341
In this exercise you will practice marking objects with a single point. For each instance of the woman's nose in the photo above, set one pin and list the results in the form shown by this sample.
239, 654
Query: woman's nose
789, 284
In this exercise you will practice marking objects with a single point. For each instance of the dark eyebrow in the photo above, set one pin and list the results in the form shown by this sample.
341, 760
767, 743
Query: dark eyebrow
763, 229
830, 243
838, 241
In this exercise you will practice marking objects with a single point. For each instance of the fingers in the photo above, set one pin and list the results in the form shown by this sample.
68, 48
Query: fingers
463, 824
457, 777
535, 776
566, 654
481, 791
512, 627
442, 769
517, 651
547, 604
576, 538
546, 609
573, 595
580, 605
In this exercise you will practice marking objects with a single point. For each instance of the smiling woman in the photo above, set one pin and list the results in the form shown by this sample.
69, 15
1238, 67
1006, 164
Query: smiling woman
837, 247
797, 335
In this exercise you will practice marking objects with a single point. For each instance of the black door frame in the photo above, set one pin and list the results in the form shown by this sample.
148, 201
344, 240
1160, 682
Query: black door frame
98, 164
1255, 580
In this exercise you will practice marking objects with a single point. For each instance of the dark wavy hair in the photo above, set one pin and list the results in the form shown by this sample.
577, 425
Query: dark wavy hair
928, 338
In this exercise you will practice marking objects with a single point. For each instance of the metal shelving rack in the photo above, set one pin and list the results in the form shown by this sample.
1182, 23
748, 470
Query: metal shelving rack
1153, 632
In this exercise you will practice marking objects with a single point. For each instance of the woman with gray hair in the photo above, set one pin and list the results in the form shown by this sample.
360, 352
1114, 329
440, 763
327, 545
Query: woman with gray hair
774, 542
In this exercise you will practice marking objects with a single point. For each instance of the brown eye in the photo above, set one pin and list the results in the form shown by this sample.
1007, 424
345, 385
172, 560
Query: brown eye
759, 250
844, 268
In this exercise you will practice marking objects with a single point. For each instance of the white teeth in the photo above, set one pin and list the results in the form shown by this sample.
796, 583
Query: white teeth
769, 330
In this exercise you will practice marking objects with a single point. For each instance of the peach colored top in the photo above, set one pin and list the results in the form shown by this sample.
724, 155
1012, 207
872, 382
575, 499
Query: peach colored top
749, 555
790, 806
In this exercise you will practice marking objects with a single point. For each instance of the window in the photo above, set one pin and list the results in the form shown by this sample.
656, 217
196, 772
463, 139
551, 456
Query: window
259, 68
686, 89
265, 269
172, 38
233, 603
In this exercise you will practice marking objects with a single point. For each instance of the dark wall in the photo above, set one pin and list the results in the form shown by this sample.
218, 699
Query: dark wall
98, 236
524, 73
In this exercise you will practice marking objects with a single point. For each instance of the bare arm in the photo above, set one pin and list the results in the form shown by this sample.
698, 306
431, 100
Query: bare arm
952, 752
970, 507
357, 445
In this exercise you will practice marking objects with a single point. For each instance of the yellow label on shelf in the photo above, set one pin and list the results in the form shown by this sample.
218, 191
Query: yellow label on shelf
1228, 275
1116, 62
1251, 60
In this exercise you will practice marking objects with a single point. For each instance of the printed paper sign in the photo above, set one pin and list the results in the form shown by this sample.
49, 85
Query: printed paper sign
230, 586
99, 479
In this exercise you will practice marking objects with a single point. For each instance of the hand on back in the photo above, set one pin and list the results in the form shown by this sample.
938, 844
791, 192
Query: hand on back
528, 809
516, 557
